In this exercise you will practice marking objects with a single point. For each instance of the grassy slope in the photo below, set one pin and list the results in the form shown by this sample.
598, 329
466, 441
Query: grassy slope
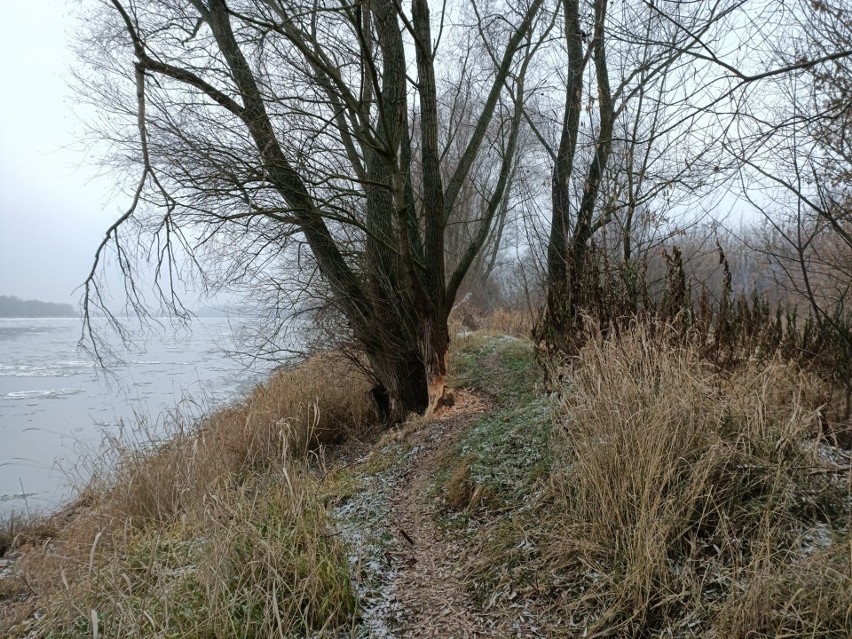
657, 498
494, 481
540, 531
220, 532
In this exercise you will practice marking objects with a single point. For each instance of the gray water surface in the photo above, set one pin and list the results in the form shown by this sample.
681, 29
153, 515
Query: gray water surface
56, 405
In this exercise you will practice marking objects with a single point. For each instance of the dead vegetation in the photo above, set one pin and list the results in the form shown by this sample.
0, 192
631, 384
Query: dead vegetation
218, 532
661, 495
459, 490
685, 498
466, 317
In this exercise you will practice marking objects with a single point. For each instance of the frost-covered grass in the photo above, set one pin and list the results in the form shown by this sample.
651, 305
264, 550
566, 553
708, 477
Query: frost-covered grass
504, 452
362, 519
493, 481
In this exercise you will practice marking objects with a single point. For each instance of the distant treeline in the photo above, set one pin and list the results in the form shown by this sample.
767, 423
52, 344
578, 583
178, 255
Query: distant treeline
11, 306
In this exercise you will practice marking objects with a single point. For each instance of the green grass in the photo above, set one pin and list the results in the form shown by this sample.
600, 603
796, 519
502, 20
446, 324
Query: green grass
505, 454
501, 366
507, 447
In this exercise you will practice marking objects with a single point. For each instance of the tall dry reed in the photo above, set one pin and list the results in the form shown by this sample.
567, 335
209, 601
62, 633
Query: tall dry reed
676, 485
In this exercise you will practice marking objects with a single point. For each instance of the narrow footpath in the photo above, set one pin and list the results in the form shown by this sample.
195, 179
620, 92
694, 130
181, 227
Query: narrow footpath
408, 570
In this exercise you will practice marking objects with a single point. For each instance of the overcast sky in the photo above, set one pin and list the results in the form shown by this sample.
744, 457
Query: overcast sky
52, 212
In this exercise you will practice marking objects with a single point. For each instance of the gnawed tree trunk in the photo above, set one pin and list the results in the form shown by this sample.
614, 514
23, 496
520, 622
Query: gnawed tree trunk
411, 380
435, 341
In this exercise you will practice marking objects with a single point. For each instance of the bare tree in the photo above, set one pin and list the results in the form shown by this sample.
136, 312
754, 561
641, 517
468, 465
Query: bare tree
641, 101
269, 126
795, 155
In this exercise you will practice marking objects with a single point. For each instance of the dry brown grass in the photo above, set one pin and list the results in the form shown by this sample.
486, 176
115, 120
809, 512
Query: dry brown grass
676, 488
253, 561
218, 532
467, 317
322, 401
515, 322
460, 487
810, 598
18, 529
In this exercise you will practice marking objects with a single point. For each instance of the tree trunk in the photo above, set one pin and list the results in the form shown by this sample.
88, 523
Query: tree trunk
559, 306
434, 343
402, 384
411, 377
567, 249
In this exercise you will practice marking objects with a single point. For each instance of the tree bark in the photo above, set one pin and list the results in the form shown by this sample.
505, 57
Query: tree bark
568, 248
402, 387
558, 310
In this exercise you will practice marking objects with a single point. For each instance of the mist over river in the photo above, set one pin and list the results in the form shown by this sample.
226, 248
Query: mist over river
55, 404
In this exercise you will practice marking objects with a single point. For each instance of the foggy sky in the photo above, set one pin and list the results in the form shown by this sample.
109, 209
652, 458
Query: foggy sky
52, 212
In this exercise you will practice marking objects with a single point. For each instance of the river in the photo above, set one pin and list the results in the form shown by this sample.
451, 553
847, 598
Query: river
56, 406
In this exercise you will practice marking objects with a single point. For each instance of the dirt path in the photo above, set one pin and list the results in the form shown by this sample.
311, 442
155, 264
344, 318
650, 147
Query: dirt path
428, 586
407, 570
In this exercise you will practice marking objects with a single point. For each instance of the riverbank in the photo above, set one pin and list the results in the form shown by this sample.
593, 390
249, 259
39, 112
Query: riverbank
210, 521
654, 497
